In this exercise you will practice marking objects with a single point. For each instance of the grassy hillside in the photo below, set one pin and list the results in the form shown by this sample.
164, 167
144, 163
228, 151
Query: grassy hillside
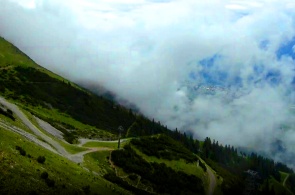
162, 146
12, 56
61, 102
22, 174
180, 175
32, 87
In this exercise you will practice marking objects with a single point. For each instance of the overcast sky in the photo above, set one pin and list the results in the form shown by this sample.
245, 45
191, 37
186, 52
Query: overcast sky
218, 68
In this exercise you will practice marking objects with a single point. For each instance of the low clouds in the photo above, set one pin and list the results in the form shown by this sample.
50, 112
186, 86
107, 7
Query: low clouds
223, 69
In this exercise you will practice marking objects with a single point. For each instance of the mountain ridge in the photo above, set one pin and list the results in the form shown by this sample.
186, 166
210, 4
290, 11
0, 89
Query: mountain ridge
78, 113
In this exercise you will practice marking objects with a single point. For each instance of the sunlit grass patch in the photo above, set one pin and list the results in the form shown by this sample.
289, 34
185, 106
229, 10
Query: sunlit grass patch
112, 145
22, 174
98, 162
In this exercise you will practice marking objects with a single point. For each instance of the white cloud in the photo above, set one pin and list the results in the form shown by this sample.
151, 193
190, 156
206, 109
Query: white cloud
29, 4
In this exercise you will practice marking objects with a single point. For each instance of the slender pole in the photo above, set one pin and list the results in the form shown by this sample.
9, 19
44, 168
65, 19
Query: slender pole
119, 139
120, 129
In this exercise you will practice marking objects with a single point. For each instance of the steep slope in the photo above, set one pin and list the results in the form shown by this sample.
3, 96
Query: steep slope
165, 166
52, 178
167, 163
34, 163
26, 82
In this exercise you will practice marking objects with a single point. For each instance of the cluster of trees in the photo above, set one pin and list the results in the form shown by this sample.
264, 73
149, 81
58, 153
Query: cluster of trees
218, 153
284, 168
232, 183
8, 113
187, 140
143, 126
202, 165
32, 86
224, 159
229, 158
291, 182
264, 166
41, 159
162, 146
48, 181
21, 150
160, 177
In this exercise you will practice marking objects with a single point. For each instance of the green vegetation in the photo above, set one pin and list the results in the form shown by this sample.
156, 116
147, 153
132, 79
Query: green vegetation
16, 123
21, 150
8, 113
44, 175
162, 146
112, 145
175, 155
232, 184
97, 144
11, 55
98, 162
160, 163
19, 174
31, 86
72, 149
161, 178
117, 180
177, 165
290, 183
66, 124
283, 176
41, 159
277, 188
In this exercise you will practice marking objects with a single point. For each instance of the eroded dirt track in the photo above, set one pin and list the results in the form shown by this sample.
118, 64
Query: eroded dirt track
49, 144
212, 183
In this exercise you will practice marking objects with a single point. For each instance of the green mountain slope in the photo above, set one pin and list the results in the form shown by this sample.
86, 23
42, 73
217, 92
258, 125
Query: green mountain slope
164, 167
24, 81
63, 103
22, 174
76, 113
49, 116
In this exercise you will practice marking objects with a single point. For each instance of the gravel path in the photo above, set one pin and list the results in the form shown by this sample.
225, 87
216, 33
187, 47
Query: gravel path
33, 128
28, 136
83, 141
50, 129
51, 144
212, 181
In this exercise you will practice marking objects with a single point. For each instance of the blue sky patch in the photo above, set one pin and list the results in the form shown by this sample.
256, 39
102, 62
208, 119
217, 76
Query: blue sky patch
209, 62
264, 44
273, 77
258, 69
286, 49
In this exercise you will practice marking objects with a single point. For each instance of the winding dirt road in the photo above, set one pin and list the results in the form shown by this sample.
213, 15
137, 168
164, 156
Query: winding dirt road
83, 141
29, 136
212, 179
33, 128
56, 147
51, 144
